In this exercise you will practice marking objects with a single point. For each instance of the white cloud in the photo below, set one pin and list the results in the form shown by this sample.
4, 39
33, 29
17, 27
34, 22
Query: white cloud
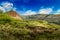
29, 12
2, 9
45, 11
57, 12
7, 6
41, 11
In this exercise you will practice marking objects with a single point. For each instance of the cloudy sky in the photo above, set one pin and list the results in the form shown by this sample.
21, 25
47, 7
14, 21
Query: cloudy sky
29, 7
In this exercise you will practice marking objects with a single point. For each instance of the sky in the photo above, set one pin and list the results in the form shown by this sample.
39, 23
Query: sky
29, 7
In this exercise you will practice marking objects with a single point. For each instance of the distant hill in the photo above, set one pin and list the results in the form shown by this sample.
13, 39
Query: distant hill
54, 18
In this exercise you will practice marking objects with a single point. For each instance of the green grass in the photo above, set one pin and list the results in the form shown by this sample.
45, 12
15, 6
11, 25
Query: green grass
12, 29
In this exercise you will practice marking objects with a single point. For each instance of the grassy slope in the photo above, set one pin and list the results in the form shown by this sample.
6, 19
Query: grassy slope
11, 29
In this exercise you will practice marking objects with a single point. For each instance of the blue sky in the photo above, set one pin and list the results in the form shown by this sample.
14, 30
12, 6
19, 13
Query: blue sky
29, 7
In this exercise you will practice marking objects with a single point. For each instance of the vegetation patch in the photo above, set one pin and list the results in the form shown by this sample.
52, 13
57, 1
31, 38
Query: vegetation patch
12, 29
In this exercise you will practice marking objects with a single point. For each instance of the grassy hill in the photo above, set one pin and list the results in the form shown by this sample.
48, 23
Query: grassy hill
12, 29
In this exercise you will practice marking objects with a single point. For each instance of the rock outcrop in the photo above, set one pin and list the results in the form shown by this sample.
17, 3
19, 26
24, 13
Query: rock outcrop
15, 15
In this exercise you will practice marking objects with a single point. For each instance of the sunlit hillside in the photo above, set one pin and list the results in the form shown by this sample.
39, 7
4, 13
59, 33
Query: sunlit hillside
13, 29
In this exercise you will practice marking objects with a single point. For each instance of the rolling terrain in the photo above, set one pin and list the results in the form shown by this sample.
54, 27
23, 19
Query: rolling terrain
52, 18
27, 29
